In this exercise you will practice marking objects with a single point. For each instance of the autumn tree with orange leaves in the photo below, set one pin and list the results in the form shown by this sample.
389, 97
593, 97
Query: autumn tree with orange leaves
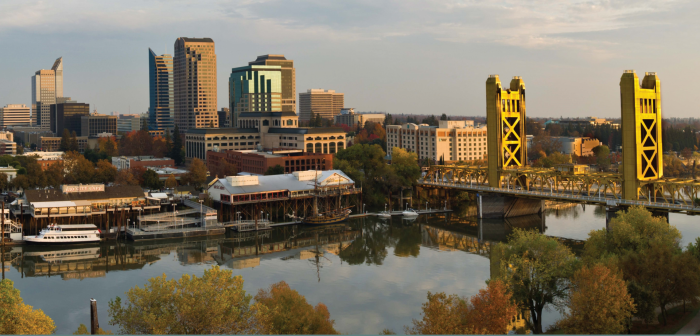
488, 312
291, 314
598, 303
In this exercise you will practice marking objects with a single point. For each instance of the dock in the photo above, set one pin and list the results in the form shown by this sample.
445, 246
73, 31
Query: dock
141, 234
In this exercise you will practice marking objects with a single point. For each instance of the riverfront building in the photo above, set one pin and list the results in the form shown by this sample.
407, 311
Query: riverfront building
326, 103
161, 111
194, 69
14, 115
452, 140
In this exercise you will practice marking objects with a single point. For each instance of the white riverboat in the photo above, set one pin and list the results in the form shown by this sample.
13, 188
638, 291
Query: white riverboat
56, 234
12, 230
71, 254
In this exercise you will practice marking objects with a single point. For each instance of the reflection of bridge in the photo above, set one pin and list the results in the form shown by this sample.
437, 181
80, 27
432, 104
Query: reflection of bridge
640, 181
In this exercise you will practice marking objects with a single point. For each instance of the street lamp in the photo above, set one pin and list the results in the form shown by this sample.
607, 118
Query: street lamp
363, 208
173, 213
128, 223
426, 205
140, 209
201, 212
238, 216
445, 204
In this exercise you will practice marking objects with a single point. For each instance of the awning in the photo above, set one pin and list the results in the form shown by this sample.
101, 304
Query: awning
159, 195
61, 204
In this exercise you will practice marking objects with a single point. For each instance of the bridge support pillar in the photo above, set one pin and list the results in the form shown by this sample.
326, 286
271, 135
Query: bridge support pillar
502, 206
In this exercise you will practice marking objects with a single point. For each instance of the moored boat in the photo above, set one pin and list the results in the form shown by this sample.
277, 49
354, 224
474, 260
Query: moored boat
409, 213
56, 234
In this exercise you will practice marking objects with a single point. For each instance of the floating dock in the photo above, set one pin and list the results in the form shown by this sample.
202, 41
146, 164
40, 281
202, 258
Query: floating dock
138, 234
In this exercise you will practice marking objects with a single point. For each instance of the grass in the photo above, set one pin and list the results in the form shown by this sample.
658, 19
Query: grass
676, 320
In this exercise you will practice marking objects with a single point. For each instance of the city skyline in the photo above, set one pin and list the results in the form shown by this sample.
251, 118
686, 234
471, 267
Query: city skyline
571, 54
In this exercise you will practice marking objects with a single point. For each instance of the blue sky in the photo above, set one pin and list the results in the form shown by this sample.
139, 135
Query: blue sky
400, 56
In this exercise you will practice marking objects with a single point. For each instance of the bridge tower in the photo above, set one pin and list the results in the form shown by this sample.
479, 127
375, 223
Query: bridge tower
505, 120
642, 158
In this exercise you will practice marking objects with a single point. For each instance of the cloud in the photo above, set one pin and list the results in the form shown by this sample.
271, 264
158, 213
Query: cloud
525, 24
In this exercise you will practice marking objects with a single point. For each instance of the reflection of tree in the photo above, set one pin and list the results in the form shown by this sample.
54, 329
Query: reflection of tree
371, 247
599, 211
409, 240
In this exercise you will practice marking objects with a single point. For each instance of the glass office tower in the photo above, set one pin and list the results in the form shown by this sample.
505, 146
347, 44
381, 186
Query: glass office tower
161, 114
255, 88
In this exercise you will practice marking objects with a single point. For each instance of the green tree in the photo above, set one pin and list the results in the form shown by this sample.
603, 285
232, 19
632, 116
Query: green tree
598, 303
212, 304
318, 122
19, 318
291, 314
65, 141
537, 269
177, 150
432, 121
444, 117
20, 149
168, 144
4, 181
647, 250
388, 120
151, 180
602, 154
275, 170
365, 164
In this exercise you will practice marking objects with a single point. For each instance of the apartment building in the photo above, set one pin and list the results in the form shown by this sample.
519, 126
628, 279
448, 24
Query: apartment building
451, 140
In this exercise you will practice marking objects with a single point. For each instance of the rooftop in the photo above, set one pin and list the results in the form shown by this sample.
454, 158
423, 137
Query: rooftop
266, 114
296, 181
55, 195
197, 39
222, 130
304, 130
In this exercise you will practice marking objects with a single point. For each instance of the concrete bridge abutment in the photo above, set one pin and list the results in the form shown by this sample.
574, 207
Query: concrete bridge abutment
504, 206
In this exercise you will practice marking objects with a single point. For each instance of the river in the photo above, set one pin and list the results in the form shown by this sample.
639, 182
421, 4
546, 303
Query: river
371, 273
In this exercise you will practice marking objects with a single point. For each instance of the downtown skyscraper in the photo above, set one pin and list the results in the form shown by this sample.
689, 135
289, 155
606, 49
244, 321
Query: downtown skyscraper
194, 68
47, 86
289, 79
161, 111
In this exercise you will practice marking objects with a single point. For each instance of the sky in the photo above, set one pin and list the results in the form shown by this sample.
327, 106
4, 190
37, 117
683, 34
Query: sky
396, 56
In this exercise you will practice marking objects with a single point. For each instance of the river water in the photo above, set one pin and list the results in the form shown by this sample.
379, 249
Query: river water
371, 273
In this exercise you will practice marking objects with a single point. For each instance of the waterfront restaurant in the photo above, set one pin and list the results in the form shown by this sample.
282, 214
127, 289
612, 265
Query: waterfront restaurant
82, 200
251, 188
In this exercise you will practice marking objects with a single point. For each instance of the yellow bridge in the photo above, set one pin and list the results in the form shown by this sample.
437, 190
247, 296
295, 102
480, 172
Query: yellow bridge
640, 181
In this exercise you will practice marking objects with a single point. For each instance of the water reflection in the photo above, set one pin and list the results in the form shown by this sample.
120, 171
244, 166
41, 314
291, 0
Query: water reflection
442, 252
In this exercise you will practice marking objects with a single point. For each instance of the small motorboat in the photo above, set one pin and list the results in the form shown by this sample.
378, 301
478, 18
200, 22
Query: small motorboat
409, 213
384, 214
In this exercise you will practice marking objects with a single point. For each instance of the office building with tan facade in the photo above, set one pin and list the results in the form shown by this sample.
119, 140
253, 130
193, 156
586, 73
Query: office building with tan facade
194, 71
14, 115
348, 117
47, 86
452, 140
326, 103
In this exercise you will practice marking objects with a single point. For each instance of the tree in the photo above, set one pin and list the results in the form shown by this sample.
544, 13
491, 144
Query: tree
598, 303
212, 304
20, 182
20, 149
291, 314
151, 180
73, 144
491, 310
536, 269
197, 173
176, 154
388, 120
318, 122
4, 181
647, 250
276, 170
65, 141
55, 174
78, 169
444, 117
105, 172
126, 177
442, 315
83, 330
19, 318
602, 154
432, 121
365, 164
168, 143
171, 182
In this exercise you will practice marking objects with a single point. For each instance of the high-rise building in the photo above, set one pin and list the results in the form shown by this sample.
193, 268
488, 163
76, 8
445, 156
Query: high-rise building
68, 116
326, 103
47, 85
194, 69
224, 117
160, 77
128, 123
289, 79
254, 88
14, 115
